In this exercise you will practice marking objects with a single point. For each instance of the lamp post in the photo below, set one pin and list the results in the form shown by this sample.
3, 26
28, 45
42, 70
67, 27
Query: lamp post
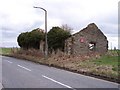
46, 44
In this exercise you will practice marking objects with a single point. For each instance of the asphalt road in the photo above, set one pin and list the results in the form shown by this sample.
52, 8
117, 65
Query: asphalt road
18, 73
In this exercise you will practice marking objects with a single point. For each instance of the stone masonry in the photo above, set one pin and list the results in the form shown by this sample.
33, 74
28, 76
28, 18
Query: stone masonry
87, 41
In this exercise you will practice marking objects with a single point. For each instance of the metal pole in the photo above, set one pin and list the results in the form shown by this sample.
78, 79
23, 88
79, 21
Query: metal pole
46, 44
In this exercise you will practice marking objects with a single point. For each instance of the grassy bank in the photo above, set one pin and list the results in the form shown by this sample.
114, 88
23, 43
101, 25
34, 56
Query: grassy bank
94, 64
104, 66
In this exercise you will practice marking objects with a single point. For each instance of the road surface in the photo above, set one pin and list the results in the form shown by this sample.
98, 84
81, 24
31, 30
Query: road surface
18, 73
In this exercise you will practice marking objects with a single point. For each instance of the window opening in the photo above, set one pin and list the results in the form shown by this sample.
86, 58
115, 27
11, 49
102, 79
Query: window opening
92, 46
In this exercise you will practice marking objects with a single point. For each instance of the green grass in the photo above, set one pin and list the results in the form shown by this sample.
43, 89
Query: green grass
5, 50
111, 58
107, 60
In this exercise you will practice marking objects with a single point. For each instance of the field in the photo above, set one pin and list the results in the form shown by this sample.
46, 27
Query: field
108, 60
8, 51
5, 50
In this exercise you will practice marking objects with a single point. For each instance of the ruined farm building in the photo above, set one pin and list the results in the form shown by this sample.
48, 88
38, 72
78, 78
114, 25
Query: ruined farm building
90, 39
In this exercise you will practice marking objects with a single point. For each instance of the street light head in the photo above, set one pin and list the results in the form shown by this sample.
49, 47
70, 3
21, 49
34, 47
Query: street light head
35, 7
40, 8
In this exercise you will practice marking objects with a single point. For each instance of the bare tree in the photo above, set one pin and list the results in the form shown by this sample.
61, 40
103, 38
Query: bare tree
67, 28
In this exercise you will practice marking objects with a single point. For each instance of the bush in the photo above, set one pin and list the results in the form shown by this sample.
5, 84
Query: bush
31, 39
56, 38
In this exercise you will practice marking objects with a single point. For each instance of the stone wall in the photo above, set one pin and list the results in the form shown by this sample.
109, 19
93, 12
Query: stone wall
86, 41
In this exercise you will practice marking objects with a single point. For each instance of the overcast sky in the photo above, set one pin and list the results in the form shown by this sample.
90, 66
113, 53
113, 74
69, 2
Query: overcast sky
17, 16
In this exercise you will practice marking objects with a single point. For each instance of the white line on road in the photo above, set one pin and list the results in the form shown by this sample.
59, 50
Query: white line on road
9, 61
24, 68
58, 82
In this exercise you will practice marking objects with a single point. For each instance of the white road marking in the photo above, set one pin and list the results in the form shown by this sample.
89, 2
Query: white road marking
58, 82
9, 61
24, 68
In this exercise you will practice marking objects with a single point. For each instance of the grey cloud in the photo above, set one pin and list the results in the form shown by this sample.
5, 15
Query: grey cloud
109, 28
6, 28
10, 44
36, 24
9, 34
112, 35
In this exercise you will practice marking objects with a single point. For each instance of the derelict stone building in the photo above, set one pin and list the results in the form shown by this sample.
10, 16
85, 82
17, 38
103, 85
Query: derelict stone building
86, 41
